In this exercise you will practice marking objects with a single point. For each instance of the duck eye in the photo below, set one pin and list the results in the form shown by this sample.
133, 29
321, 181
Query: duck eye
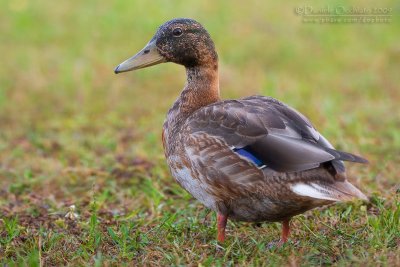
177, 32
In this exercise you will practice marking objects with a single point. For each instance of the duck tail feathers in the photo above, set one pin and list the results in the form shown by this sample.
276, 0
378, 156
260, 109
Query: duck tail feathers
345, 156
345, 191
337, 191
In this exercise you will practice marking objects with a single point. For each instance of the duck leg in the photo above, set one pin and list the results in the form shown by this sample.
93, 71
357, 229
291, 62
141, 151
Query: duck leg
221, 225
285, 231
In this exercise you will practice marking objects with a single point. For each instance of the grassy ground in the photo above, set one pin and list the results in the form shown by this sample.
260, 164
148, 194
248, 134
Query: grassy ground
73, 133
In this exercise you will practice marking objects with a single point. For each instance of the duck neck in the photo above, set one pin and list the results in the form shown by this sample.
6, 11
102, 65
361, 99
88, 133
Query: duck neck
202, 88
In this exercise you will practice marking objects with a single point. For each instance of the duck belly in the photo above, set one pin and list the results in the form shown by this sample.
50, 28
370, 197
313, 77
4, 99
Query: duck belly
257, 208
183, 175
264, 209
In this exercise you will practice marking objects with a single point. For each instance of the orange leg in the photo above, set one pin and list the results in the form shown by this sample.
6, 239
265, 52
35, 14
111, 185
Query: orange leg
285, 231
221, 225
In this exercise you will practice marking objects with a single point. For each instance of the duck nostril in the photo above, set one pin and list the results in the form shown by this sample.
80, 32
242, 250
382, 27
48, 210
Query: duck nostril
146, 51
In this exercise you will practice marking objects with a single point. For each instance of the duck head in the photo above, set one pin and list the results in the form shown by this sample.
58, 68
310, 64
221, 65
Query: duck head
182, 41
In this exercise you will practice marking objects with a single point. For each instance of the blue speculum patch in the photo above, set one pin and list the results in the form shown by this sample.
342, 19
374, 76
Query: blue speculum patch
246, 152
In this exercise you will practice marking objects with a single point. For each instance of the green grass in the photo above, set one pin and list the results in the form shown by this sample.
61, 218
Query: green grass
73, 133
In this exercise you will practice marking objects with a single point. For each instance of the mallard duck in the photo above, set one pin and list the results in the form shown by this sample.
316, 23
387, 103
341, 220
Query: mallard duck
253, 159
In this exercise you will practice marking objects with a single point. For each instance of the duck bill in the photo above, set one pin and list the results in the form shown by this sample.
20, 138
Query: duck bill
146, 57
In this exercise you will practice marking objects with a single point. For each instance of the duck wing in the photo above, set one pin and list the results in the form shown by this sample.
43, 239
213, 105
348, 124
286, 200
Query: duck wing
267, 133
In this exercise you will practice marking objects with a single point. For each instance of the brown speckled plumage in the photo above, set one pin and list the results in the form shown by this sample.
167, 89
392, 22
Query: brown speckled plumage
253, 159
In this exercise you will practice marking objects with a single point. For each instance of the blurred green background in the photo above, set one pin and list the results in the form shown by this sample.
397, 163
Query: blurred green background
73, 132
